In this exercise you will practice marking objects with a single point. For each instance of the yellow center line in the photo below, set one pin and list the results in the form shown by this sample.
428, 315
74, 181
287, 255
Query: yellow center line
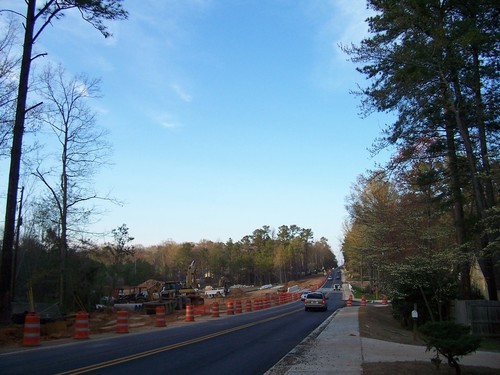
132, 357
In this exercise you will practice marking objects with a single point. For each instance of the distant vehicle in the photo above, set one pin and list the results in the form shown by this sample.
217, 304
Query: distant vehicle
338, 277
315, 301
218, 292
304, 294
336, 286
330, 278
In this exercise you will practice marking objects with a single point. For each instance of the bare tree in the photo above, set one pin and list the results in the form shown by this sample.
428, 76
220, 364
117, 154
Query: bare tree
93, 12
8, 84
80, 148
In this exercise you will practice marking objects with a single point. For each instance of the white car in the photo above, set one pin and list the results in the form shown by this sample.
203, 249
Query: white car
304, 294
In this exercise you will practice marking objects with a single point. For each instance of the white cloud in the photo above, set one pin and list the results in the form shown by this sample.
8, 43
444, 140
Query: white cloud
337, 22
165, 120
181, 93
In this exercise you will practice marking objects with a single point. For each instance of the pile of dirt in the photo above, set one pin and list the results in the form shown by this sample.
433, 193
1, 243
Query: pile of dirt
237, 293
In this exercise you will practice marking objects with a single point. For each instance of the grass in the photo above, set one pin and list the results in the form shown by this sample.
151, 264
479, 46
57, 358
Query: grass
490, 345
358, 292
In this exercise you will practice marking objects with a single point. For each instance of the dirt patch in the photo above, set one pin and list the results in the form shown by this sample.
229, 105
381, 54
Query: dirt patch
377, 322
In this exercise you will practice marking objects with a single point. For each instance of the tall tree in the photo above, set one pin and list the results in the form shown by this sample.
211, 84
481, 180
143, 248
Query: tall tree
435, 63
94, 12
80, 148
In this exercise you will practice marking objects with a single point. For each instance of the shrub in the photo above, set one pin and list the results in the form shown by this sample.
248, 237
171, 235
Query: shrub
449, 339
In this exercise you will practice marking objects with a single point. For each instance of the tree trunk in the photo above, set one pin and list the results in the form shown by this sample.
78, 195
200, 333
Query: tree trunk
15, 164
458, 210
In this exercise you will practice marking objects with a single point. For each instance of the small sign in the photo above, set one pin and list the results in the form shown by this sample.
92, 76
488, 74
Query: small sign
414, 314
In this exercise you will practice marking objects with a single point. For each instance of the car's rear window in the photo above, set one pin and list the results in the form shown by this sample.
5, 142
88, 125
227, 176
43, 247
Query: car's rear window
314, 296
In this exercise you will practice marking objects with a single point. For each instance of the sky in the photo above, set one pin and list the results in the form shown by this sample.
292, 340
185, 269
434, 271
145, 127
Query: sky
224, 115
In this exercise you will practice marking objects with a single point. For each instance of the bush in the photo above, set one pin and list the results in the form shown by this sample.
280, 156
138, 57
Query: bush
449, 339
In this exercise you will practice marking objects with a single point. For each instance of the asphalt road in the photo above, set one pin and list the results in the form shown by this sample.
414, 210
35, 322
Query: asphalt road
248, 343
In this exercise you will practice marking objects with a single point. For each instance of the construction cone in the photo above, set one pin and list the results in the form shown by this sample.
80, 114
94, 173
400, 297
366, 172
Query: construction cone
189, 313
230, 308
238, 309
122, 321
160, 316
215, 310
31, 334
82, 325
363, 300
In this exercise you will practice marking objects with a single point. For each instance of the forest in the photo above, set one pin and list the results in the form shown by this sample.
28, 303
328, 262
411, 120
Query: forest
425, 227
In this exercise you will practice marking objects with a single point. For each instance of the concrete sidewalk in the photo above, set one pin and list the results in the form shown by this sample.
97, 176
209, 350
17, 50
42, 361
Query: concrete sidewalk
336, 347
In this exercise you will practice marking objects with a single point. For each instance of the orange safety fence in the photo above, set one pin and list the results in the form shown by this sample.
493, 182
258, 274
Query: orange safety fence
201, 310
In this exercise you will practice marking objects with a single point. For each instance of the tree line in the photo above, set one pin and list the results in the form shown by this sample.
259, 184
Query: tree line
418, 226
94, 271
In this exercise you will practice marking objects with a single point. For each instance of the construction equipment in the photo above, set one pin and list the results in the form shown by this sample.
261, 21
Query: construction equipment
148, 291
185, 294
125, 295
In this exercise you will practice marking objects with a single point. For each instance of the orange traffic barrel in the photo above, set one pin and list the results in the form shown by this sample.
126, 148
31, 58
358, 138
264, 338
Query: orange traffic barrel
82, 325
122, 321
31, 336
248, 305
349, 301
215, 310
384, 300
160, 316
363, 300
238, 309
230, 308
189, 313
258, 304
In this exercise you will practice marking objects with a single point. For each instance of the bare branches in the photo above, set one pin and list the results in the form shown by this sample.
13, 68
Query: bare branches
77, 149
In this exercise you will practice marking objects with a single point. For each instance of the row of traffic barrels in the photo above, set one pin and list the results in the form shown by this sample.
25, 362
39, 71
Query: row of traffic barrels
31, 333
363, 300
237, 307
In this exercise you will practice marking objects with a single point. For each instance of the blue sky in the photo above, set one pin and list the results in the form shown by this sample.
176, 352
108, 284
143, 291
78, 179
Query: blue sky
225, 115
